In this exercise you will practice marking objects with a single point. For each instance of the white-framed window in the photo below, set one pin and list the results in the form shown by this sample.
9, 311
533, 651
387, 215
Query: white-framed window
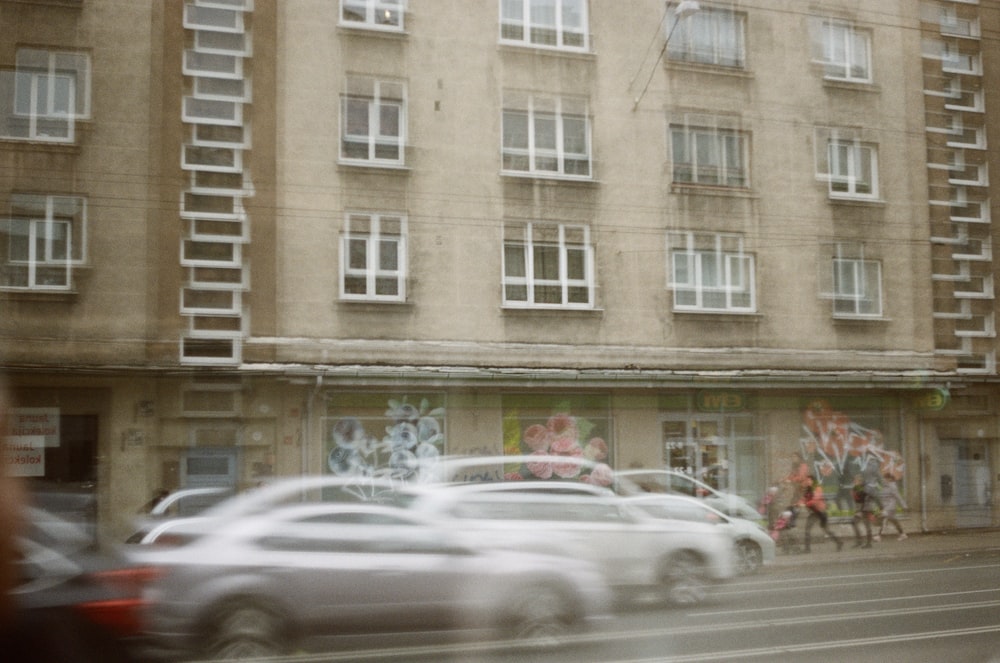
44, 237
373, 257
373, 121
548, 265
847, 163
547, 23
856, 289
706, 151
710, 272
713, 36
843, 49
373, 14
46, 93
547, 136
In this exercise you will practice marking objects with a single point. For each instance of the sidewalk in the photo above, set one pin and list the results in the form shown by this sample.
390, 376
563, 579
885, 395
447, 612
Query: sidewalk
950, 541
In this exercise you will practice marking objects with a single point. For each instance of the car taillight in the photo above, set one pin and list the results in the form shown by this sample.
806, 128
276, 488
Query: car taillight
122, 612
122, 617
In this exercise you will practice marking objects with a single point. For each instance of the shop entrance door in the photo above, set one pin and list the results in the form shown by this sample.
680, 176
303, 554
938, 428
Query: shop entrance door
719, 450
973, 487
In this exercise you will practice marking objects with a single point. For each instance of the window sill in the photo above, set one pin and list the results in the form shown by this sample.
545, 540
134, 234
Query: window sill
373, 30
38, 295
861, 202
519, 175
711, 190
28, 144
731, 316
373, 304
556, 51
373, 165
861, 320
857, 86
549, 310
705, 68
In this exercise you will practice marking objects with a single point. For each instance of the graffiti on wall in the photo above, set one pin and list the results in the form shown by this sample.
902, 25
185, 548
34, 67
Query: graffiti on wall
395, 445
839, 449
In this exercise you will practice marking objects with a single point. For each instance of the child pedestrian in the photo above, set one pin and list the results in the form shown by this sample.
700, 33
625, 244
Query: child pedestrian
890, 498
812, 499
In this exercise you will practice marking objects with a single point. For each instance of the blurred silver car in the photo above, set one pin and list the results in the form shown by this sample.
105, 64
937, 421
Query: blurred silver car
640, 555
284, 579
753, 545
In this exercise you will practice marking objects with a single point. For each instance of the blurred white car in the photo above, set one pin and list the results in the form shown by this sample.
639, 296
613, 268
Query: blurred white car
753, 545
640, 555
670, 481
286, 579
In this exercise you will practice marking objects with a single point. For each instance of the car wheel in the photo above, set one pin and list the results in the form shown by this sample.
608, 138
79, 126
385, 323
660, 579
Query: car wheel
749, 557
246, 631
540, 617
683, 579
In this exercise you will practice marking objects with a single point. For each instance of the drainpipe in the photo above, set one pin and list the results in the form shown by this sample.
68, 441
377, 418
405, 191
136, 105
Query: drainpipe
923, 476
307, 426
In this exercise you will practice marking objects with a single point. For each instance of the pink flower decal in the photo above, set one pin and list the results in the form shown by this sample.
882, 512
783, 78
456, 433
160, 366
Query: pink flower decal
597, 449
537, 437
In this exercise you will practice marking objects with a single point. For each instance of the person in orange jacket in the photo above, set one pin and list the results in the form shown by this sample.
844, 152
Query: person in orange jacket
812, 500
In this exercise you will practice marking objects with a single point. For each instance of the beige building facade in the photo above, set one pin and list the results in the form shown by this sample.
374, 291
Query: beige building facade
339, 237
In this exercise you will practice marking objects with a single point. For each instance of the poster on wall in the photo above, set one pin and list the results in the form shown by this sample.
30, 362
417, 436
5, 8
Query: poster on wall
385, 436
843, 448
35, 422
577, 427
24, 456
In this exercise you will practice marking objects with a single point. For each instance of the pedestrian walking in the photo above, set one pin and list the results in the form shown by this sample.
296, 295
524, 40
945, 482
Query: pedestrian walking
864, 512
812, 499
890, 500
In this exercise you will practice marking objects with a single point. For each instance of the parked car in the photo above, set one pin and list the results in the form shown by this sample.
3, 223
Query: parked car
184, 503
671, 481
289, 577
753, 545
640, 555
269, 495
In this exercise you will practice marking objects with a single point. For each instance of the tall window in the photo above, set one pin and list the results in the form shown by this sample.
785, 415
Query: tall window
546, 136
42, 240
548, 265
848, 164
708, 155
857, 283
709, 36
552, 23
377, 14
373, 121
373, 257
47, 92
843, 50
710, 272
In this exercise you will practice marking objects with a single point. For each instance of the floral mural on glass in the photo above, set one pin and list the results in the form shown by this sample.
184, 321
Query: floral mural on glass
839, 448
559, 434
395, 445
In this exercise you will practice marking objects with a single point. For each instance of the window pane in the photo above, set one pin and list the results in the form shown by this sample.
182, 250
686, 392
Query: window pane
388, 254
546, 262
515, 129
389, 115
357, 253
576, 263
514, 263
386, 286
545, 132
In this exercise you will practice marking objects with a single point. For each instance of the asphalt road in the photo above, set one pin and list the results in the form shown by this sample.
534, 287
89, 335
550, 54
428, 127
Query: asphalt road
938, 602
